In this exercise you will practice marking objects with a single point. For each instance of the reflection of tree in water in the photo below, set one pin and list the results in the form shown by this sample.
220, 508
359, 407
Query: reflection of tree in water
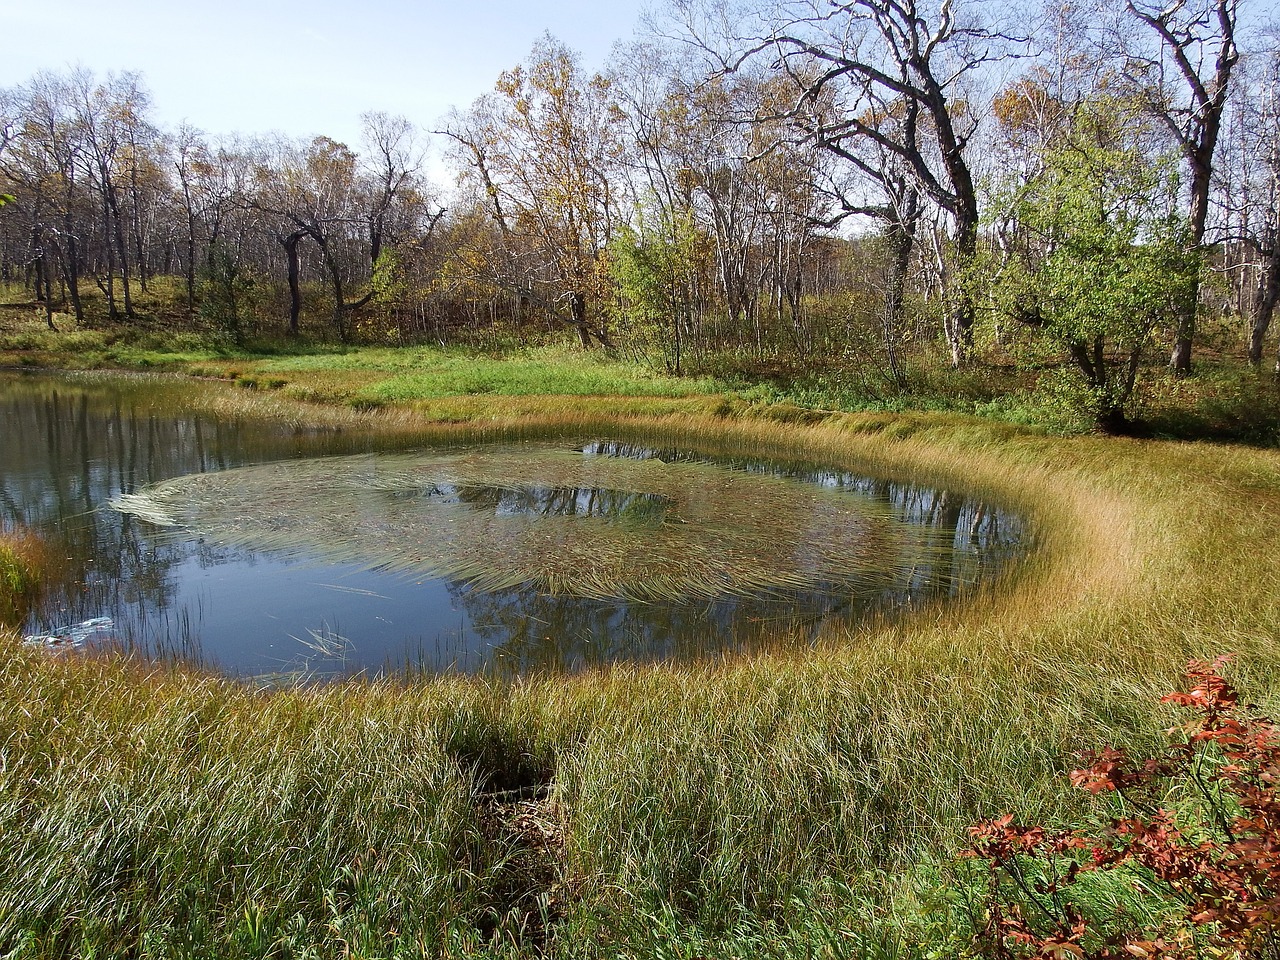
969, 536
67, 448
517, 631
524, 630
602, 503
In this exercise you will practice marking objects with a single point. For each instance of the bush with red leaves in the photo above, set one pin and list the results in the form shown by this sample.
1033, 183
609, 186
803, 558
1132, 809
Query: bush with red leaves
1212, 864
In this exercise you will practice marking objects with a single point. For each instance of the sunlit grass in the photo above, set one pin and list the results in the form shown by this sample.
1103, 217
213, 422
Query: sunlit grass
25, 564
824, 789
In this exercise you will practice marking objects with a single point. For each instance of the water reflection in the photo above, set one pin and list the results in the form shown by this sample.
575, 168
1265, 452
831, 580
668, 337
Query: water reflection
70, 445
981, 537
611, 506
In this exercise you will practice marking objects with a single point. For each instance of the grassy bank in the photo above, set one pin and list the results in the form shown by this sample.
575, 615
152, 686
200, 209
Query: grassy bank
1223, 400
356, 376
787, 804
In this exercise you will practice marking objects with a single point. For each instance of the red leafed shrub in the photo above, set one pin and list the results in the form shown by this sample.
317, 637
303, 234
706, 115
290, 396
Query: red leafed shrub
1195, 833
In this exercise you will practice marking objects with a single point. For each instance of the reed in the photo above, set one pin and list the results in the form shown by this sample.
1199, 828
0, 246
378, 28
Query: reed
807, 801
25, 563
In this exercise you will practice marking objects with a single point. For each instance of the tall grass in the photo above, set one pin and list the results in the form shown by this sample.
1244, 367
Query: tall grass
25, 563
784, 804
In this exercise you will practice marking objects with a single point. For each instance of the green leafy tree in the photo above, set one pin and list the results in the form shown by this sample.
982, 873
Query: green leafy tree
391, 288
226, 293
1102, 259
655, 273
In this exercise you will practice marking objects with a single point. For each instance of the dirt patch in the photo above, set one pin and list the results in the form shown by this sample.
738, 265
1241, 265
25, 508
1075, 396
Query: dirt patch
528, 889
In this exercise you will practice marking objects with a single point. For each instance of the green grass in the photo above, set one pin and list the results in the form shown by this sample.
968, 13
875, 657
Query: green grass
765, 805
359, 376
805, 803
1223, 400
398, 376
107, 349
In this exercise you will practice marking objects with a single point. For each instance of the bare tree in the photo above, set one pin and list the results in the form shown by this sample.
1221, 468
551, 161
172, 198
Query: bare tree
1183, 73
189, 151
860, 55
44, 158
873, 183
312, 192
542, 149
395, 199
1250, 193
105, 112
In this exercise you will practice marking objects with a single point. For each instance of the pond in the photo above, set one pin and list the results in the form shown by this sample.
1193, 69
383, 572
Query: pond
260, 549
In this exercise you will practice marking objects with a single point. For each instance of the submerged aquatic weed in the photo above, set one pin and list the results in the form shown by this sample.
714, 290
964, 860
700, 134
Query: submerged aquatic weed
548, 516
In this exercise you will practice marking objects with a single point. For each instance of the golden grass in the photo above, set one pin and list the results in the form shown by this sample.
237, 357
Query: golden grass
736, 783
25, 562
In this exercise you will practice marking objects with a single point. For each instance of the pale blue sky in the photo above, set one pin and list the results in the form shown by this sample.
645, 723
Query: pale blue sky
303, 68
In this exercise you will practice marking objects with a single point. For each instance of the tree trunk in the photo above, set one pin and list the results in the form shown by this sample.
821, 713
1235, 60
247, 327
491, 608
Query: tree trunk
71, 269
37, 258
295, 292
677, 358
578, 307
139, 246
109, 288
375, 240
1208, 101
191, 241
1264, 305
122, 248
1201, 181
901, 236
191, 268
44, 278
960, 311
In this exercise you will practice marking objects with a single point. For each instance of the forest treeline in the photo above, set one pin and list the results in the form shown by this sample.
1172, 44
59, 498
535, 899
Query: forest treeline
797, 182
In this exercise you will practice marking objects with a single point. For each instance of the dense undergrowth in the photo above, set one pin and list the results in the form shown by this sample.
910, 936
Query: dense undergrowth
1225, 399
811, 802
1195, 827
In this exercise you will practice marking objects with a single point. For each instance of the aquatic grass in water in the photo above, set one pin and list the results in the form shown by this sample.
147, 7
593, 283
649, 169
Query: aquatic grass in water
25, 560
551, 518
727, 807
247, 611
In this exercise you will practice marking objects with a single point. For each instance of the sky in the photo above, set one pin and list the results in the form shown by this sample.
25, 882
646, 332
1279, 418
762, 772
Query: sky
303, 69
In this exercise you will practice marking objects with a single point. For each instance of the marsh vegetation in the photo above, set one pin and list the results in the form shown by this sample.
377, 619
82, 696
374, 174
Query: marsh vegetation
220, 543
894, 261
769, 803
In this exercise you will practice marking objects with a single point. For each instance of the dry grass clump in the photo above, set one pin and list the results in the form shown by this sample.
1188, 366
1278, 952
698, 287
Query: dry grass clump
25, 563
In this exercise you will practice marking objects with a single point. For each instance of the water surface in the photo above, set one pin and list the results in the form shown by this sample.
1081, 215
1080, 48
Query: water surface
260, 549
